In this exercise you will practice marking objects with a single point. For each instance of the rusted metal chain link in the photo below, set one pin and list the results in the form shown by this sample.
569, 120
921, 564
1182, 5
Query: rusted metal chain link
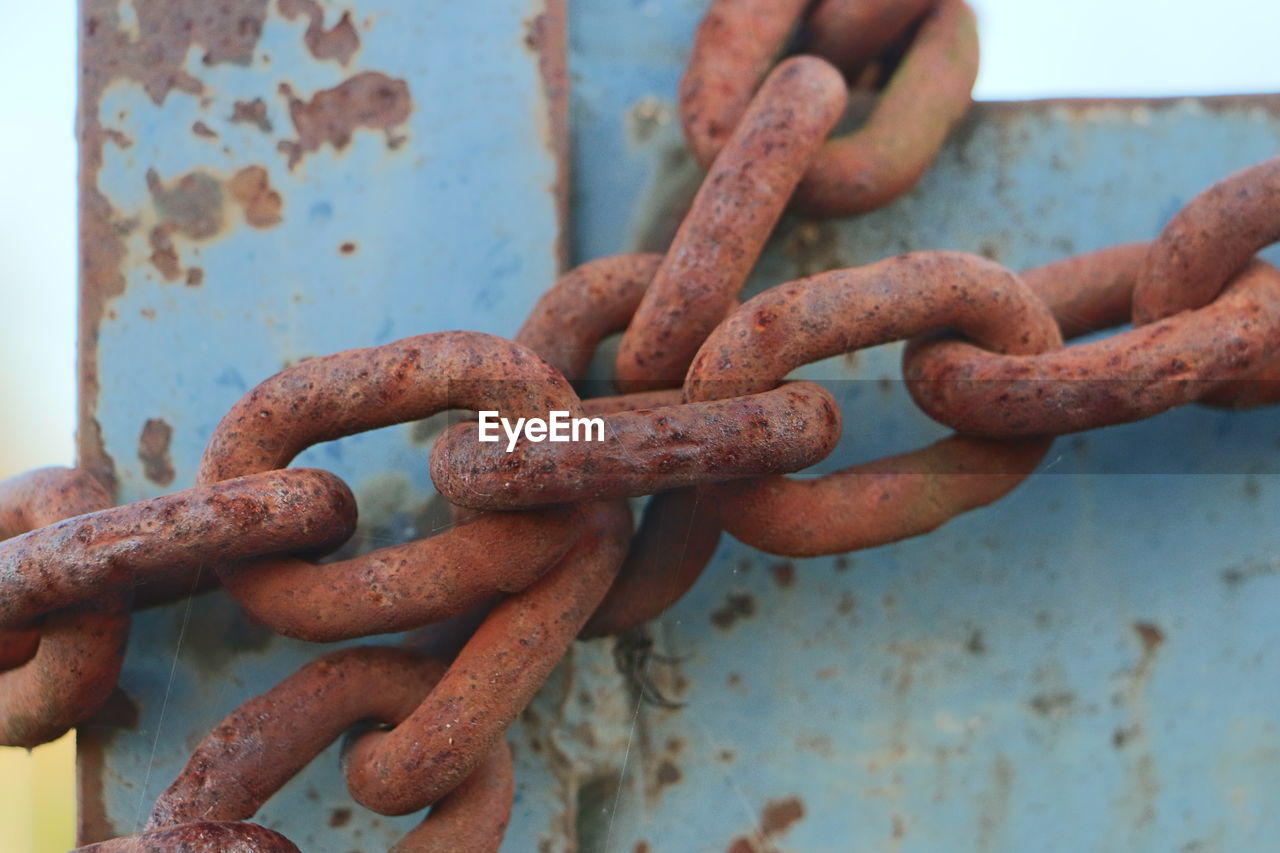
199, 837
845, 311
59, 673
247, 757
731, 217
925, 96
1125, 377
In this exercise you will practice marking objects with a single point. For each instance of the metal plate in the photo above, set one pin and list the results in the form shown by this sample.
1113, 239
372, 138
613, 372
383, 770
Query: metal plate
1087, 665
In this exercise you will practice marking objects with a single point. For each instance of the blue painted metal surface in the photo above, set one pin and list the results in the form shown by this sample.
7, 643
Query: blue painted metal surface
1087, 665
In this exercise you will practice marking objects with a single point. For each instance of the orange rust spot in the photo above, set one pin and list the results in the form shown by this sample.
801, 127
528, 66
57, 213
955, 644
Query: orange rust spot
368, 100
779, 815
163, 255
347, 248
1151, 635
251, 188
195, 277
340, 42
201, 129
784, 574
153, 451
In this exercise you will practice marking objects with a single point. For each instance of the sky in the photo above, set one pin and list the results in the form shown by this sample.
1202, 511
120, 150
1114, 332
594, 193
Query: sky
1030, 48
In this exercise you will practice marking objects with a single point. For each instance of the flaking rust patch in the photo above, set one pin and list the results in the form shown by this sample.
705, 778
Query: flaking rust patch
153, 451
340, 42
369, 100
251, 188
191, 206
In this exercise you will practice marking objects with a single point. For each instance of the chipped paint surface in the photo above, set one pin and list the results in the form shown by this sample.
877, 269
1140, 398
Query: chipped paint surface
248, 166
1089, 664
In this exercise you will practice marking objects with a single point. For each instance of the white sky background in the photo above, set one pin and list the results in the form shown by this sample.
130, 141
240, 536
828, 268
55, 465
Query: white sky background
1030, 48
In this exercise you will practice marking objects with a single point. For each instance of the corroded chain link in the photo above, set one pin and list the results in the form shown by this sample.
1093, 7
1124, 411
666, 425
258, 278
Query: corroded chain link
708, 430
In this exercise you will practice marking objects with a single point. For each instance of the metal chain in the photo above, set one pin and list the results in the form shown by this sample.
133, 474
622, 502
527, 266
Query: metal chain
708, 432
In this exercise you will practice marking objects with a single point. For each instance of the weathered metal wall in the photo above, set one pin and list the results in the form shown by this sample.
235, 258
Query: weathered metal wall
1087, 665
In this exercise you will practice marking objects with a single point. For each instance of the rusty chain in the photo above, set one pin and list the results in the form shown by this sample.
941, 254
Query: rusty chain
708, 429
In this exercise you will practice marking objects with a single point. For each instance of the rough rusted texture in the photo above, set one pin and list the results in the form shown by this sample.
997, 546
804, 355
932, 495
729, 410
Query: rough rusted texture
492, 680
370, 100
1129, 376
403, 586
735, 45
362, 389
732, 216
1091, 292
636, 402
473, 817
339, 42
18, 646
1095, 291
59, 676
202, 837
845, 311
74, 670
884, 501
927, 94
586, 304
267, 740
88, 556
1208, 242
678, 534
643, 452
850, 33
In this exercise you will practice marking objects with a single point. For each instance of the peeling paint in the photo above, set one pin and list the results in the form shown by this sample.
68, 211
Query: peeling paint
340, 42
153, 451
251, 112
251, 188
369, 100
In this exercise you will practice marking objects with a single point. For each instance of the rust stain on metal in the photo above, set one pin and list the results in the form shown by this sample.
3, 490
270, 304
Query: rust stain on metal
203, 130
737, 606
339, 42
546, 35
780, 815
252, 112
784, 574
153, 451
369, 100
251, 188
777, 817
191, 205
